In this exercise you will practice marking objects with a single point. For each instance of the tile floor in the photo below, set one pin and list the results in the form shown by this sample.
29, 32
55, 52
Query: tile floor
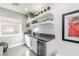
19, 51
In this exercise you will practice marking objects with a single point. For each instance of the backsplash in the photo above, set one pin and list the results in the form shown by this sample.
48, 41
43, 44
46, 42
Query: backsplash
47, 28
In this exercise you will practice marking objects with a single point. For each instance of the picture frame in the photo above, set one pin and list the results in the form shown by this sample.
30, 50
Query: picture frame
70, 26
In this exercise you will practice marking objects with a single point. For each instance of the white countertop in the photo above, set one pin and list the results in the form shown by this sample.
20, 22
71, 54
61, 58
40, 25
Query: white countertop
44, 38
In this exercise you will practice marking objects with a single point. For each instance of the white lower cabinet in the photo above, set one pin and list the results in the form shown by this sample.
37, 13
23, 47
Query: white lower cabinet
43, 48
27, 40
31, 43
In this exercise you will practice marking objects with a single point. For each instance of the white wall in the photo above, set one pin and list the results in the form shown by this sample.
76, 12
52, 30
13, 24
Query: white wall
45, 28
13, 40
63, 47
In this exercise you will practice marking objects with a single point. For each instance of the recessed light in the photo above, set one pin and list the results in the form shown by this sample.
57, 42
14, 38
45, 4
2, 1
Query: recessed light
25, 9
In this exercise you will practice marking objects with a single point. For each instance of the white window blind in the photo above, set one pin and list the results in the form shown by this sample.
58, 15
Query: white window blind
10, 26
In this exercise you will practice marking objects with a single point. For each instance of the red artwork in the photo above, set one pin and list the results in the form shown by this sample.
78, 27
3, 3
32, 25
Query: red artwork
74, 27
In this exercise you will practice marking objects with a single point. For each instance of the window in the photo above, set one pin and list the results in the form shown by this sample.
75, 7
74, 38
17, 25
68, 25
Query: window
10, 26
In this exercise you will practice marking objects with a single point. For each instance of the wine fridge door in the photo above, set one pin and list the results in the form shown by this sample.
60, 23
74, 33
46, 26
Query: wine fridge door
41, 48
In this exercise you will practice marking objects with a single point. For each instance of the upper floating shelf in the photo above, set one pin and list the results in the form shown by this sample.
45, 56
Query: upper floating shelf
42, 16
46, 18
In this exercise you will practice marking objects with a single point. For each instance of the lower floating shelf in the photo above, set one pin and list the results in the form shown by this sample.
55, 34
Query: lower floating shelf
42, 23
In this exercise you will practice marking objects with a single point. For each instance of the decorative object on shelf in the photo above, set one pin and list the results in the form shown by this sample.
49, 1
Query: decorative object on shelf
48, 8
38, 12
30, 14
26, 15
34, 22
28, 25
71, 26
41, 12
45, 10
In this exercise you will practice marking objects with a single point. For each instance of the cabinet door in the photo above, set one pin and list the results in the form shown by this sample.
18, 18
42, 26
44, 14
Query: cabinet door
34, 44
41, 48
27, 40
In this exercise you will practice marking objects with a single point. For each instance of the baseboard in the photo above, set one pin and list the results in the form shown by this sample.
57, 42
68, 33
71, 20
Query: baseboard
15, 45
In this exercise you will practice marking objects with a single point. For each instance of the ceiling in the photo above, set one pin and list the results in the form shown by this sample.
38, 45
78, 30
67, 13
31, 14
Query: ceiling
20, 7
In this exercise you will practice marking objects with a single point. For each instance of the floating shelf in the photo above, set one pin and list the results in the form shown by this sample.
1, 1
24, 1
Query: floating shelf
40, 16
41, 23
46, 18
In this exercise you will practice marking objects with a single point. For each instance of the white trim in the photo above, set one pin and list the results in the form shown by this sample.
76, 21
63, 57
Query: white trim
15, 45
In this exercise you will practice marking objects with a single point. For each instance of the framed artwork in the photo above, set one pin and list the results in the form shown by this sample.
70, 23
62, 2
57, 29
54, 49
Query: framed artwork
70, 26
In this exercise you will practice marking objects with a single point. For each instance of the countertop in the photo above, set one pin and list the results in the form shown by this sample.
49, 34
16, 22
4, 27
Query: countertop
44, 37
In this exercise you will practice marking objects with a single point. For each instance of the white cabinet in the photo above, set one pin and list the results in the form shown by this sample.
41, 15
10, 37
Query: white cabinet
33, 44
27, 40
